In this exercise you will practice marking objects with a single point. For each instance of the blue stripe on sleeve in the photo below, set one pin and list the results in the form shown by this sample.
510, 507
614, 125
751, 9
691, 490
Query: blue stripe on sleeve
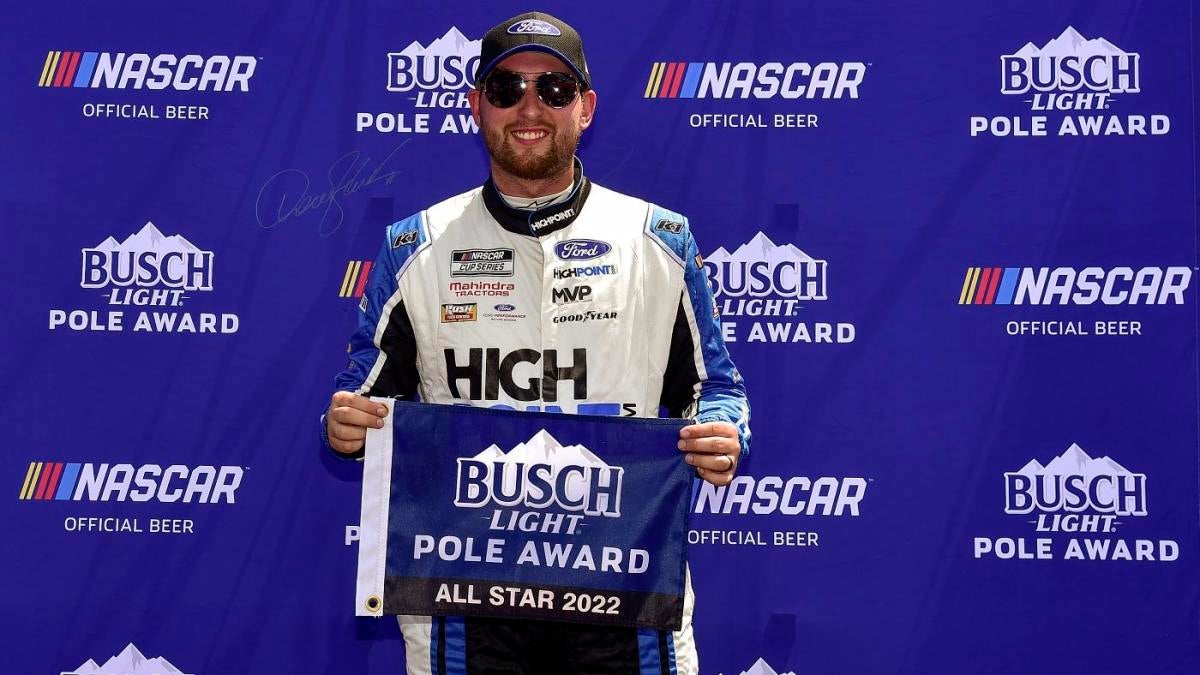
381, 286
722, 392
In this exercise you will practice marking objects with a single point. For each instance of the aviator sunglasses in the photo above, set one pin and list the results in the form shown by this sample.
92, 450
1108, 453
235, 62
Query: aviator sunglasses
504, 88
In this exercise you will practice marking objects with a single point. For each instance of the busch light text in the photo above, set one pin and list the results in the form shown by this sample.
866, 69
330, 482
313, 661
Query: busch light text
1120, 494
594, 490
190, 270
430, 71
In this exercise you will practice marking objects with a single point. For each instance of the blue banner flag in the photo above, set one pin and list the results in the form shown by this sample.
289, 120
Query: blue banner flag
470, 511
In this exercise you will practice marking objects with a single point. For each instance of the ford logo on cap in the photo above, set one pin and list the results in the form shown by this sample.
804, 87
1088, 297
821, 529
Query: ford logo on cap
533, 26
580, 249
504, 308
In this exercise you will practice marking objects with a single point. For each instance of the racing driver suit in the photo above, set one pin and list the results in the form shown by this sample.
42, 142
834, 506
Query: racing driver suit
598, 304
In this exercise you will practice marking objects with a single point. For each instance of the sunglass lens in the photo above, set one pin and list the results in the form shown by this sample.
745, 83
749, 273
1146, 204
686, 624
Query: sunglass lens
503, 89
557, 89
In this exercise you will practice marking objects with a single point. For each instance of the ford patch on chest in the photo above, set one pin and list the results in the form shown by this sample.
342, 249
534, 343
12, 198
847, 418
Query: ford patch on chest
581, 249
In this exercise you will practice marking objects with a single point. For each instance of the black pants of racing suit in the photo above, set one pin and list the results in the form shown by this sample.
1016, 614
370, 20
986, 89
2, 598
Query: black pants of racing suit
521, 647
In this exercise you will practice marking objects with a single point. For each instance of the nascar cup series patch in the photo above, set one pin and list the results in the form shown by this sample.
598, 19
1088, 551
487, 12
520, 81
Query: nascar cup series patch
478, 512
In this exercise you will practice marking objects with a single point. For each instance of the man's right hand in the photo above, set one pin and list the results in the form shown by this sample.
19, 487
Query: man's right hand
348, 418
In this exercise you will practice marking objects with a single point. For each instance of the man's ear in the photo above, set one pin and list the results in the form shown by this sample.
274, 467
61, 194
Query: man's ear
588, 112
473, 99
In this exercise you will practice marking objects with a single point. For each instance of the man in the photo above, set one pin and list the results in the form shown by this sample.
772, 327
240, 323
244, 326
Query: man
542, 291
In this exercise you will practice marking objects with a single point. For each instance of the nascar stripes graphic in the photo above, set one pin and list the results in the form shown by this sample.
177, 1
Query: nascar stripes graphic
355, 280
49, 480
988, 285
67, 69
673, 80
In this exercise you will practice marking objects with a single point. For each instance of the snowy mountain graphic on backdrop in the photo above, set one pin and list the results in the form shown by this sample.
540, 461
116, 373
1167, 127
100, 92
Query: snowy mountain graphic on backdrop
453, 43
149, 238
1075, 462
543, 448
130, 661
1071, 43
761, 667
760, 248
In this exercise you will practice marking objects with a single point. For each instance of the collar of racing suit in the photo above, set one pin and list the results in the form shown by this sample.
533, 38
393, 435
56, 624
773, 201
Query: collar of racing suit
543, 221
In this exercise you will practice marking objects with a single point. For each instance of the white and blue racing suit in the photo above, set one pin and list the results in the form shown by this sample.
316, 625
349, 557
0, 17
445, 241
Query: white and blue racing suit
598, 304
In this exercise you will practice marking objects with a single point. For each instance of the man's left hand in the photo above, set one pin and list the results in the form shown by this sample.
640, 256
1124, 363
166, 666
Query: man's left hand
713, 448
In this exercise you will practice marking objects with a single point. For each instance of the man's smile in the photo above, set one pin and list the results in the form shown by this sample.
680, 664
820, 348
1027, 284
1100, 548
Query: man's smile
530, 136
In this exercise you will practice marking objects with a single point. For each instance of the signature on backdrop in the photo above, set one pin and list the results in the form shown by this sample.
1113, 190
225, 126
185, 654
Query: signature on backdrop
290, 193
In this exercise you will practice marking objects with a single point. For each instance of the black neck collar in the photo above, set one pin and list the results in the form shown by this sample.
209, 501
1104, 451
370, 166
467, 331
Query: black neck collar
543, 221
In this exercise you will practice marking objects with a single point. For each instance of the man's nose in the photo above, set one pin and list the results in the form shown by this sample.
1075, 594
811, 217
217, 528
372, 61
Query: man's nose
529, 105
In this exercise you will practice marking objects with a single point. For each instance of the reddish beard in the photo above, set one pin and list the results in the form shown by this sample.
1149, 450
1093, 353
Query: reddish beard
526, 163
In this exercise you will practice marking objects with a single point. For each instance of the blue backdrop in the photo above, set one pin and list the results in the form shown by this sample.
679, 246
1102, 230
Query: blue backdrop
975, 425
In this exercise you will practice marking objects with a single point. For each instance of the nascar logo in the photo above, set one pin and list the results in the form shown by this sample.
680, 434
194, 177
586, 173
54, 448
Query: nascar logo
105, 70
752, 80
85, 481
482, 262
355, 280
1066, 285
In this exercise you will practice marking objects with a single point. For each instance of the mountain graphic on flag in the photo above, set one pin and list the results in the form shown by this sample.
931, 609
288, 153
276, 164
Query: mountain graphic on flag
131, 661
542, 448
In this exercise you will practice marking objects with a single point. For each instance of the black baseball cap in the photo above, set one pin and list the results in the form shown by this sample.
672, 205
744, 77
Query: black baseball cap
533, 31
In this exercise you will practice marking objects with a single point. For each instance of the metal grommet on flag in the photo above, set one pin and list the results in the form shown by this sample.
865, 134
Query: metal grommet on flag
374, 603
